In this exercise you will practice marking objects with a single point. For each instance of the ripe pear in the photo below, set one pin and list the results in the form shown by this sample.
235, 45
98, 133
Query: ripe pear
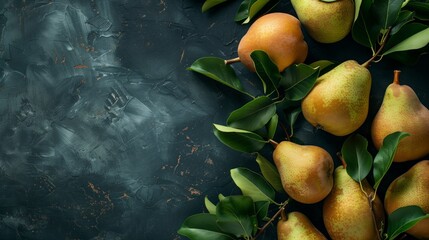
305, 171
277, 34
325, 22
297, 226
411, 188
346, 210
402, 110
339, 100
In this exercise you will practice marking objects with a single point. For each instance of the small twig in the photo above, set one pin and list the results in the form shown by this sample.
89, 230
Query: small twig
371, 207
382, 43
280, 211
288, 136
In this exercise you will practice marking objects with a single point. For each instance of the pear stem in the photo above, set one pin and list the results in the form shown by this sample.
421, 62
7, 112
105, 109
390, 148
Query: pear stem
273, 143
232, 60
343, 162
396, 76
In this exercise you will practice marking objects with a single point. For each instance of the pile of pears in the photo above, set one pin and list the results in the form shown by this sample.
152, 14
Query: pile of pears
308, 176
338, 104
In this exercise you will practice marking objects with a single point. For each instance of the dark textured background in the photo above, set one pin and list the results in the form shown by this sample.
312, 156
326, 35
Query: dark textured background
106, 135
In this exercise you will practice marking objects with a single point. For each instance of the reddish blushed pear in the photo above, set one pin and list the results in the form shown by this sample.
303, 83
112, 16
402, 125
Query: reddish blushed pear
277, 34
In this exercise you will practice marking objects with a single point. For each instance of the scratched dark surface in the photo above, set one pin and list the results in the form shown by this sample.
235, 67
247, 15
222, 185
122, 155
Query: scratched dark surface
106, 135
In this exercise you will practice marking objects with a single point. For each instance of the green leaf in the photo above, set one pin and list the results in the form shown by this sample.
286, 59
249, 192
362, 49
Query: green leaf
254, 9
357, 157
262, 210
253, 115
270, 173
323, 65
267, 71
216, 69
386, 12
238, 139
404, 17
402, 219
236, 215
299, 80
243, 10
365, 30
208, 4
292, 115
415, 41
209, 205
410, 57
272, 126
357, 9
203, 226
420, 8
252, 184
384, 158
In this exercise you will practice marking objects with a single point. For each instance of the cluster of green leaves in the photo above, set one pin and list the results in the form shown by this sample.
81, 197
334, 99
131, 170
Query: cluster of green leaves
239, 216
247, 10
360, 163
398, 28
253, 125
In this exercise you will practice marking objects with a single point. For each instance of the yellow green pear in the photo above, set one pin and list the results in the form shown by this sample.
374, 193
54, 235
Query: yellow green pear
411, 188
346, 210
326, 22
402, 110
296, 225
306, 171
339, 100
277, 34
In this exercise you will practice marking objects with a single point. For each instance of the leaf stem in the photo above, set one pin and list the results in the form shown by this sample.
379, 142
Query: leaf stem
232, 60
280, 211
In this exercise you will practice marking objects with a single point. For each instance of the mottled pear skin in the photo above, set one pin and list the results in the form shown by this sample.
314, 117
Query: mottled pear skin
297, 226
411, 188
339, 101
279, 35
306, 171
326, 22
346, 210
402, 110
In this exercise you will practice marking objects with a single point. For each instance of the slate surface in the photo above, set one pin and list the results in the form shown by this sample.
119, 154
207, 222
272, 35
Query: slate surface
106, 135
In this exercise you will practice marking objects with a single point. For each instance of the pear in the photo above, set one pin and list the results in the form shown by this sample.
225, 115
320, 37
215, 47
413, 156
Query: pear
325, 22
297, 226
305, 171
411, 188
401, 110
277, 34
346, 210
339, 100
